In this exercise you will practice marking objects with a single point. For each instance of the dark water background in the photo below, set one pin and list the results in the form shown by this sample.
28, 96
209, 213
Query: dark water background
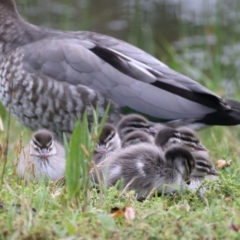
199, 38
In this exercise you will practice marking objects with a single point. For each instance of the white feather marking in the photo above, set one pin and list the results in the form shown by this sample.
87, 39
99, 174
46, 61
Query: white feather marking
141, 66
115, 143
140, 166
115, 171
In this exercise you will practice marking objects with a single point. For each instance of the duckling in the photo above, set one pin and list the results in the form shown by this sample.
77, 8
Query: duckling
145, 169
203, 169
192, 139
203, 165
107, 143
43, 158
167, 137
136, 137
135, 122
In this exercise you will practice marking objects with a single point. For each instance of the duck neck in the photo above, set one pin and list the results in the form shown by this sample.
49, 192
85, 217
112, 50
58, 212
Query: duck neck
14, 30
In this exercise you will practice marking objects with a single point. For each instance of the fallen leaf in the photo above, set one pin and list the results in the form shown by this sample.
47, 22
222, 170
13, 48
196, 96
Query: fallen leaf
222, 164
115, 209
127, 212
234, 227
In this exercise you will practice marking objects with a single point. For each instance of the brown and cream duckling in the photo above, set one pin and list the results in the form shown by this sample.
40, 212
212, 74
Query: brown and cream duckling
107, 143
135, 122
136, 137
168, 137
204, 169
43, 158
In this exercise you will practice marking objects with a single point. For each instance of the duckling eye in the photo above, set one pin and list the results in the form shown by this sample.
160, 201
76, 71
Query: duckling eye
202, 164
37, 149
109, 138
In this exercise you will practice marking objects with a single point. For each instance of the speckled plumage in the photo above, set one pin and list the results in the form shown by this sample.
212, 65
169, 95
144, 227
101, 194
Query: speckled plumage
40, 63
41, 102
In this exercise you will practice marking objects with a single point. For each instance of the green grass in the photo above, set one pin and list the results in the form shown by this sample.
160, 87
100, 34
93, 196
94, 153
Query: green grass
75, 211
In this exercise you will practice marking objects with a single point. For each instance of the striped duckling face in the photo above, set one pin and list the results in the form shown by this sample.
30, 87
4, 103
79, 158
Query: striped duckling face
168, 137
42, 144
203, 166
108, 141
203, 170
191, 139
135, 122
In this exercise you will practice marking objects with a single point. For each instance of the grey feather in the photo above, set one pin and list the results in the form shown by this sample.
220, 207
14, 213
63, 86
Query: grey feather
110, 67
41, 102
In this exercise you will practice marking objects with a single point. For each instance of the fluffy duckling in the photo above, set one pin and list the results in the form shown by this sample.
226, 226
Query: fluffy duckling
136, 137
168, 137
43, 157
145, 169
191, 138
135, 122
107, 143
203, 169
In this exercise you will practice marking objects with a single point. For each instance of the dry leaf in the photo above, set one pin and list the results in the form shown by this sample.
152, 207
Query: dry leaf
127, 212
234, 227
222, 164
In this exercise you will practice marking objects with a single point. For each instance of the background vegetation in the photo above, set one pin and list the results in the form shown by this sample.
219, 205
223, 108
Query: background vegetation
200, 40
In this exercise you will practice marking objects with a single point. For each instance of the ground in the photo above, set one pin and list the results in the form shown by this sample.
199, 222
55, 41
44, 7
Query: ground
46, 212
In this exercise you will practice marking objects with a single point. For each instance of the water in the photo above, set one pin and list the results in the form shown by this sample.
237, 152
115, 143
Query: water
199, 38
